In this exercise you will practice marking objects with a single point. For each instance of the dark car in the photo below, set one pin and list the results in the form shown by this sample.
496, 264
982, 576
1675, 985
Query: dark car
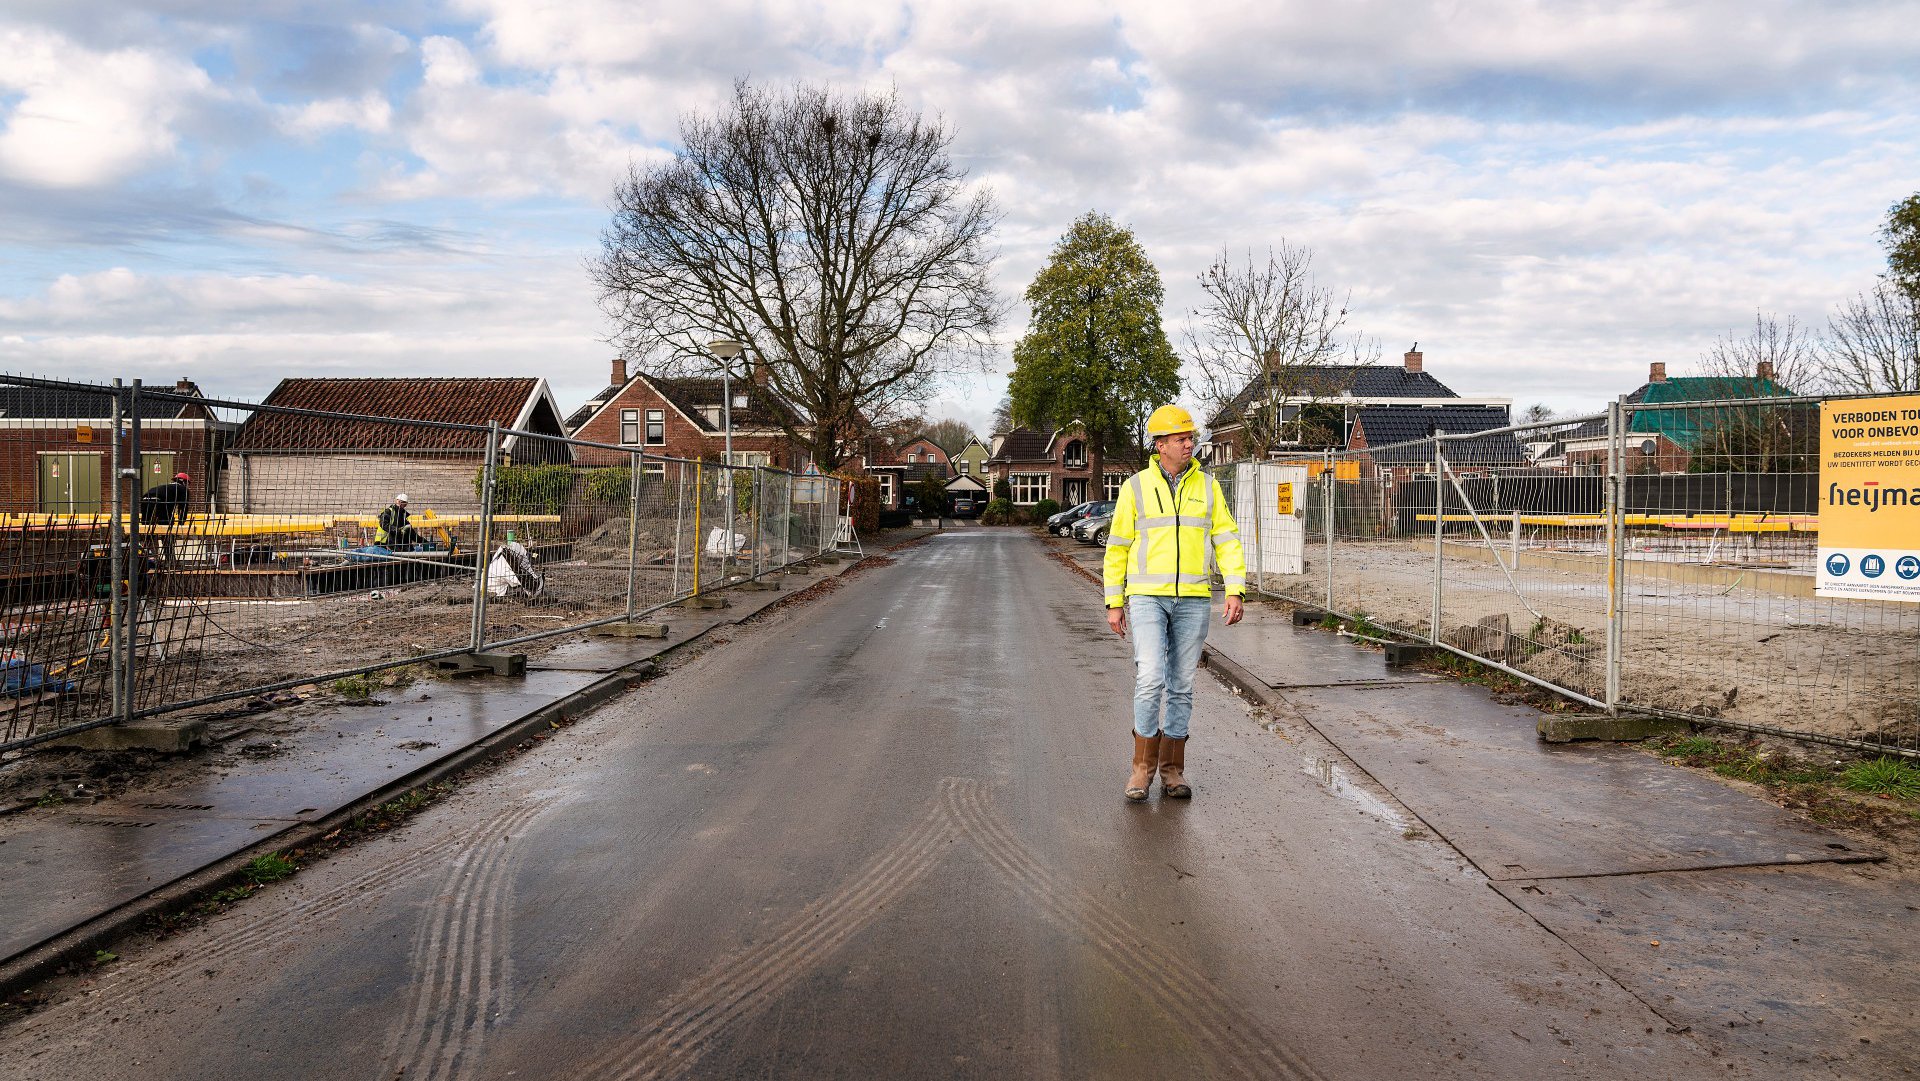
1064, 522
965, 506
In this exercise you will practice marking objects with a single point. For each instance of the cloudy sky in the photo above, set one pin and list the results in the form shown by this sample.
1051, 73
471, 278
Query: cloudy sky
1546, 195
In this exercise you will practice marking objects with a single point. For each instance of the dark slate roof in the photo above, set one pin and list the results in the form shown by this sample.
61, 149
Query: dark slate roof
1392, 432
450, 400
585, 413
61, 403
1333, 380
692, 394
1024, 445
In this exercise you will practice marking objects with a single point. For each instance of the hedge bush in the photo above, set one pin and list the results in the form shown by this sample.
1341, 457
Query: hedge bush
614, 485
527, 489
998, 512
1044, 510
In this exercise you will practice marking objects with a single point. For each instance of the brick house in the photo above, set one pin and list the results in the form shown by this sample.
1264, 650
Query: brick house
1038, 465
1318, 405
900, 470
54, 443
682, 417
1668, 440
290, 463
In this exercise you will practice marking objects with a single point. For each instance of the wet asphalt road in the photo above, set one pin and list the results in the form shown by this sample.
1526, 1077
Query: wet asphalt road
878, 835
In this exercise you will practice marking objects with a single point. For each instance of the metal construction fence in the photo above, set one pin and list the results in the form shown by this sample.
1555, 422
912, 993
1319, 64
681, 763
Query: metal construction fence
1653, 558
282, 559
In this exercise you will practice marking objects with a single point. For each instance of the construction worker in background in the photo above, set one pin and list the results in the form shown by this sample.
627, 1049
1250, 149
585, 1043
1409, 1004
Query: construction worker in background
1171, 527
394, 532
166, 504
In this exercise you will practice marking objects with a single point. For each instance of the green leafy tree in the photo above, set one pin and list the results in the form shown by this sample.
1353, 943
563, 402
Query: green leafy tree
1901, 237
1095, 350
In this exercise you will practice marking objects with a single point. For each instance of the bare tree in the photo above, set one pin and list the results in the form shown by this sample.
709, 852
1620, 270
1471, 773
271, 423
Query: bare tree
1777, 357
1537, 413
831, 233
949, 435
1274, 328
1873, 342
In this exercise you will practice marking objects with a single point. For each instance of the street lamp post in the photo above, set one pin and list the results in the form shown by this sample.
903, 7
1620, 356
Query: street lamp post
726, 350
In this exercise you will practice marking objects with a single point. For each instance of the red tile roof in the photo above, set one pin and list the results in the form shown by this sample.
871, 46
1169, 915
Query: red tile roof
450, 400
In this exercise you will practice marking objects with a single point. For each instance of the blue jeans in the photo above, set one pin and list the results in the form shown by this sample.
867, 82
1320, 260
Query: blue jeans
1167, 635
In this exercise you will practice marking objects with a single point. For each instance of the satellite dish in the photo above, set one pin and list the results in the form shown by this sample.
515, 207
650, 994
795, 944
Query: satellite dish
1648, 446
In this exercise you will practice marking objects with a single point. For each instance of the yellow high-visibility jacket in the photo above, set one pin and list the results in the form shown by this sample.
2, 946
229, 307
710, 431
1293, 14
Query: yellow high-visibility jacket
1165, 542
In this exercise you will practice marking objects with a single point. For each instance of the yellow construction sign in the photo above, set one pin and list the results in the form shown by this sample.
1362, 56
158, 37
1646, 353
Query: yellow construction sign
1870, 499
1343, 469
1283, 502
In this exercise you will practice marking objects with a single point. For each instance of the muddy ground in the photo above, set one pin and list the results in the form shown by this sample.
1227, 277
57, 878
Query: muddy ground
1839, 668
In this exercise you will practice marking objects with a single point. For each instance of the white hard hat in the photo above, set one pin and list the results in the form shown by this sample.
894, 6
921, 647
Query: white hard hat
400, 497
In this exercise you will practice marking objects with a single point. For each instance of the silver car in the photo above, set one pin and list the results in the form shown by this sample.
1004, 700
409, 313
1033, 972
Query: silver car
1093, 530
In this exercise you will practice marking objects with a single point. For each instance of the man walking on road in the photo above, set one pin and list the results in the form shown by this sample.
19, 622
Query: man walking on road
1170, 528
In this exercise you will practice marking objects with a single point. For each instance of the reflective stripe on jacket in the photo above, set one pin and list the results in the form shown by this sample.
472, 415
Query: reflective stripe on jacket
1165, 542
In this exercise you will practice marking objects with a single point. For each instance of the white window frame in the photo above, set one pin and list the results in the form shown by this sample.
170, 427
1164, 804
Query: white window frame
1073, 460
1110, 485
886, 489
653, 470
629, 427
656, 419
966, 468
1036, 485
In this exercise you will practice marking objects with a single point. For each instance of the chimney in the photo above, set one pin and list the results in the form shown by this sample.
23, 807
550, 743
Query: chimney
619, 371
1415, 358
1657, 372
185, 386
759, 370
1763, 371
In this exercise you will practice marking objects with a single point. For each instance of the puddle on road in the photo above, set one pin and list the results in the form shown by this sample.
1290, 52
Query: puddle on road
1337, 781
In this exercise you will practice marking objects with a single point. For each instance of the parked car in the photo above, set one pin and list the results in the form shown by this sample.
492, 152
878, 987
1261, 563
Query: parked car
1063, 521
965, 506
1093, 528
1070, 518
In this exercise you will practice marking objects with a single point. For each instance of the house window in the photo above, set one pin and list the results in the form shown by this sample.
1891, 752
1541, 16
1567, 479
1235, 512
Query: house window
886, 489
653, 471
629, 426
656, 427
966, 468
1076, 455
1028, 488
751, 457
1111, 485
1289, 425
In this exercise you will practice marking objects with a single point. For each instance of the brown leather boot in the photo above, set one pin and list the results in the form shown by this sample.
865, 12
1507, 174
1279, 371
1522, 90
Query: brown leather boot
1173, 768
1146, 754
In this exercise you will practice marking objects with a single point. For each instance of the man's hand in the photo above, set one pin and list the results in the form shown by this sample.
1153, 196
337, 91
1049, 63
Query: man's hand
1117, 619
1235, 610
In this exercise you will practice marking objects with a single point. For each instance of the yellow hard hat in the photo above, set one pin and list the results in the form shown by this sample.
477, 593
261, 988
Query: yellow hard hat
1169, 419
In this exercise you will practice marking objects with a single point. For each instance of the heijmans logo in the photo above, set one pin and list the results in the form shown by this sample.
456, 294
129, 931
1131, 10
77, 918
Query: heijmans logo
1838, 564
1871, 496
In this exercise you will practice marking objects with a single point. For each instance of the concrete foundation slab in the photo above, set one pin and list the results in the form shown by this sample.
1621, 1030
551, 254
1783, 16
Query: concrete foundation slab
1281, 656
1611, 729
97, 857
1475, 771
1811, 967
168, 735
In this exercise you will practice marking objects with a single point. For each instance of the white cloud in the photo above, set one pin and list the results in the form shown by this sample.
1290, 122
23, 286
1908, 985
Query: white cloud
86, 118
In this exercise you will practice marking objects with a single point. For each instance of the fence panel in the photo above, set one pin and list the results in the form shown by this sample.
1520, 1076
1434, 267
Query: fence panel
300, 546
1718, 550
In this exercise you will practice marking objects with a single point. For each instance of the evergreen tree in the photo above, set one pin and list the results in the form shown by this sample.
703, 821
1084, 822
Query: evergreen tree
1095, 350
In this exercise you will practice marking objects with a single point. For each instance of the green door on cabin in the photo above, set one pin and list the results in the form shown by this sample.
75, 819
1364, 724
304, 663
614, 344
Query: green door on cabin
70, 483
156, 467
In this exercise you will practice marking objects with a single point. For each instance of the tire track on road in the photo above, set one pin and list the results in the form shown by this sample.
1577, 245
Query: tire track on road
299, 916
460, 958
1220, 1028
743, 985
